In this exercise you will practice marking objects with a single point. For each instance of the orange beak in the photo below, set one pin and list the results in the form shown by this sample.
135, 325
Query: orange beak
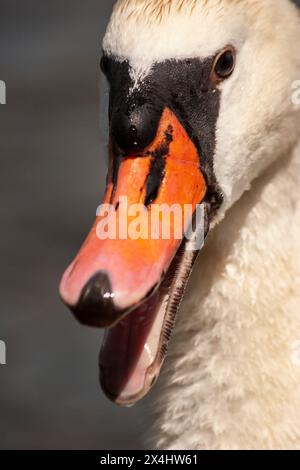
114, 273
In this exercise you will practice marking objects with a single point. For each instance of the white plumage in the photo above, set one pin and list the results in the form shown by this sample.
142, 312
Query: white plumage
232, 377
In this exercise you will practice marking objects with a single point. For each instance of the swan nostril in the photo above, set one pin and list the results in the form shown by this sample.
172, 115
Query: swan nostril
133, 131
135, 128
133, 134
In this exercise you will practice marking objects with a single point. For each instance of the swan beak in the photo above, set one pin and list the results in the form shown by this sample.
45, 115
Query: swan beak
110, 277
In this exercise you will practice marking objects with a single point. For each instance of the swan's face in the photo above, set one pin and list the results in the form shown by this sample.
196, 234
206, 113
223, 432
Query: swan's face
200, 104
254, 101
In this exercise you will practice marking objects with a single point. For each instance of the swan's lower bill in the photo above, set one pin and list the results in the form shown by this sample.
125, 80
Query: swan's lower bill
133, 351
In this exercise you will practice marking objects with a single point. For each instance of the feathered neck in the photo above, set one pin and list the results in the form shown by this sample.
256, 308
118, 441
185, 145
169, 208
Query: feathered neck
232, 377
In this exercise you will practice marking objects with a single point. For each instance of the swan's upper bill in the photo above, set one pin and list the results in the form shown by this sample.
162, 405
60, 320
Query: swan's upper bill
200, 105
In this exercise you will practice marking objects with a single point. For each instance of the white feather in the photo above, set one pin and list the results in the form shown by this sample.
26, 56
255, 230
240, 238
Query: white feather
232, 378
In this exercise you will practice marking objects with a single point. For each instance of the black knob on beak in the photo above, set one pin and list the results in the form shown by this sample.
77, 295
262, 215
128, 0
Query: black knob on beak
95, 306
134, 127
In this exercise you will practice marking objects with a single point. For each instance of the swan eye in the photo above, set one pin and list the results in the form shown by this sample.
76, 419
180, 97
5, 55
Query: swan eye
224, 64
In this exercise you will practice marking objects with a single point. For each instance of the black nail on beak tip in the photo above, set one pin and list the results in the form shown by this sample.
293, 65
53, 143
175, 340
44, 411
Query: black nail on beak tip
95, 306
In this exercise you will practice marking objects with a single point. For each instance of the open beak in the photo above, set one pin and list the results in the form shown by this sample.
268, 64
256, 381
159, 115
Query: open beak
131, 272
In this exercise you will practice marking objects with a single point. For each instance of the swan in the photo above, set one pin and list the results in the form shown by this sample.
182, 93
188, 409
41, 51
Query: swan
202, 112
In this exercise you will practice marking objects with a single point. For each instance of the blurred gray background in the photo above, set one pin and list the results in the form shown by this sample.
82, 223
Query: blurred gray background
52, 178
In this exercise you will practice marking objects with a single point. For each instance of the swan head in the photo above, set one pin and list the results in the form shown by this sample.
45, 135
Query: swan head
200, 105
